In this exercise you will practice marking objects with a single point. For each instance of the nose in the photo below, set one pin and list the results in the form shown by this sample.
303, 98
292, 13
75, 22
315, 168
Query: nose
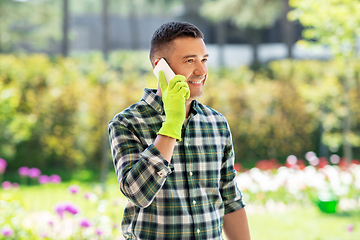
200, 69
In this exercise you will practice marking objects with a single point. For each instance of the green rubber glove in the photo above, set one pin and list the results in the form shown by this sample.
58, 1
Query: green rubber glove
173, 96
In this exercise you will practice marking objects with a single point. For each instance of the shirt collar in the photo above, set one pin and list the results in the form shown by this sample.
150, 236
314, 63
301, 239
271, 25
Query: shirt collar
155, 101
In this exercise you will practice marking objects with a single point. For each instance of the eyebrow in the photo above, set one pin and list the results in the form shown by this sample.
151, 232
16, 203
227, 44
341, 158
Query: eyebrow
191, 56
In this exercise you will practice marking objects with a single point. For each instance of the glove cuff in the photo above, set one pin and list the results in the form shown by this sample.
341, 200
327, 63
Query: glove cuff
171, 129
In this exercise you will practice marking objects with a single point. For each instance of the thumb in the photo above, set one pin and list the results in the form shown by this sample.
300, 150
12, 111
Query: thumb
162, 81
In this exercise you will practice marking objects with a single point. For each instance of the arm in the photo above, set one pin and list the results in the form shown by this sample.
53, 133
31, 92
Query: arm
141, 170
236, 225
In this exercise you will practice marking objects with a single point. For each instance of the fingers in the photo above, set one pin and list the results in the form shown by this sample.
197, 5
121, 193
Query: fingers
183, 88
176, 84
175, 80
162, 81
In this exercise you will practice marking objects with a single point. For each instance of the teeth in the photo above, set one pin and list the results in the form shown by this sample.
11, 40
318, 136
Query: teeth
195, 82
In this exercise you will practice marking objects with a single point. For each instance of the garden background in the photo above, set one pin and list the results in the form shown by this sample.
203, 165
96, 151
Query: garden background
294, 122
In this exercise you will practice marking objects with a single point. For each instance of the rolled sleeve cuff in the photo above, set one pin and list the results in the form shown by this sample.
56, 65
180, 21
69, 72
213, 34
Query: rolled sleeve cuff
234, 206
156, 159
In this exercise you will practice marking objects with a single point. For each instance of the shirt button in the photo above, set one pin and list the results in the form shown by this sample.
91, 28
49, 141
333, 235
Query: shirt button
191, 173
194, 202
198, 231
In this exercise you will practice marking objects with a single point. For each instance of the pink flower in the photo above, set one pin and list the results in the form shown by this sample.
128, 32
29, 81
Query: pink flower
3, 165
7, 231
23, 171
72, 208
62, 207
43, 179
350, 228
74, 189
15, 185
59, 208
6, 185
99, 231
55, 178
85, 223
34, 172
87, 195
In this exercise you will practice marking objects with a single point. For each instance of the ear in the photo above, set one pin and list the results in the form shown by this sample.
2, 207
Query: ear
156, 61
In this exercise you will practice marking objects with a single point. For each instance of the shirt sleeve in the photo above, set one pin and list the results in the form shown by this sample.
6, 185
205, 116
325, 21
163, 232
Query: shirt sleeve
232, 196
141, 170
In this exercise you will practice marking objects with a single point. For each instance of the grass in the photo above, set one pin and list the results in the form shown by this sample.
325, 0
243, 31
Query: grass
300, 223
304, 223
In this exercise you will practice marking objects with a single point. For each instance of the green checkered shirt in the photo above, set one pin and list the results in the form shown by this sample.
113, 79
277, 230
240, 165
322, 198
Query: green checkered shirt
186, 199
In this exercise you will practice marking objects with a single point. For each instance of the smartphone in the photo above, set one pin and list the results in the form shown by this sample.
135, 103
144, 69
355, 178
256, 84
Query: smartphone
164, 66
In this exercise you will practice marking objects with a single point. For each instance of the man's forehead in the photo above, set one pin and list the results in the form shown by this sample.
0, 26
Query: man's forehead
189, 47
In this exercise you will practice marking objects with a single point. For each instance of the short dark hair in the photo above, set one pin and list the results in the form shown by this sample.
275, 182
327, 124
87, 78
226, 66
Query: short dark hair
169, 31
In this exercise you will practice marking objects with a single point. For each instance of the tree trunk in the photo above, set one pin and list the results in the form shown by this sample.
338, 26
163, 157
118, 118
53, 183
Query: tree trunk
134, 26
287, 30
105, 27
255, 39
221, 41
65, 29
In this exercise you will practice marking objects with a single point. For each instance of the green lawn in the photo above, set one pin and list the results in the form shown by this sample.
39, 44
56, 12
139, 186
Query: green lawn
301, 223
304, 224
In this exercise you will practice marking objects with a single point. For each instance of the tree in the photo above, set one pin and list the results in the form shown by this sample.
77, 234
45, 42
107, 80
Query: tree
335, 24
31, 24
65, 29
246, 14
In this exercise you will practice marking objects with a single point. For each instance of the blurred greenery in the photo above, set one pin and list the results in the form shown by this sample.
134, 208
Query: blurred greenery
54, 111
33, 24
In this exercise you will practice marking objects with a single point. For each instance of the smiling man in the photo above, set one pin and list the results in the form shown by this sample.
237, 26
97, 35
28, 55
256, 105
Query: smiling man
174, 156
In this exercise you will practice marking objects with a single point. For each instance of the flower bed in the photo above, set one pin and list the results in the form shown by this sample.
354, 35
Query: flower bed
317, 180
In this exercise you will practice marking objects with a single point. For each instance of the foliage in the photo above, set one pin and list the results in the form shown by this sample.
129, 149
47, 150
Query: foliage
254, 14
335, 23
54, 112
33, 23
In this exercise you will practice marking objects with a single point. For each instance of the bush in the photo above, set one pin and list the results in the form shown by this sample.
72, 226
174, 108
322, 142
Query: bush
54, 112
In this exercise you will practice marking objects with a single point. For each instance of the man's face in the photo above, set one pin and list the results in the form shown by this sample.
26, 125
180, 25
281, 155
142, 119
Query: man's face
188, 58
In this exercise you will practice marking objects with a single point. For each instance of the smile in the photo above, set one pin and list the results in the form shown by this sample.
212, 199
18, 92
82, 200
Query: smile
195, 82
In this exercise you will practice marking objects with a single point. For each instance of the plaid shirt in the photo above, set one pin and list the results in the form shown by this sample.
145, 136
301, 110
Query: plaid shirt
186, 199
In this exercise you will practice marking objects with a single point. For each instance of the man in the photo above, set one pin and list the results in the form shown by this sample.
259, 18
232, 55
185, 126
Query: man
173, 156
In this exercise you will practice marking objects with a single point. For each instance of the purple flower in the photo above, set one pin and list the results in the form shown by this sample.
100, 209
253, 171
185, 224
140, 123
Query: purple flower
71, 208
55, 178
34, 172
7, 231
99, 231
85, 223
62, 207
59, 208
74, 189
23, 171
3, 165
6, 185
43, 179
87, 195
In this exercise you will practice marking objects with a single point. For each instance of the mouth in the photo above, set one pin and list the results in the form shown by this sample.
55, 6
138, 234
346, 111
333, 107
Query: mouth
195, 82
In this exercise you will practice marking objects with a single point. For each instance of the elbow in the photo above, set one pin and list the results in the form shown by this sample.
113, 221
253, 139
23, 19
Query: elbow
136, 197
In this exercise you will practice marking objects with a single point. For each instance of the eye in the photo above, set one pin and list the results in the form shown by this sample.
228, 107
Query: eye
190, 60
204, 60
